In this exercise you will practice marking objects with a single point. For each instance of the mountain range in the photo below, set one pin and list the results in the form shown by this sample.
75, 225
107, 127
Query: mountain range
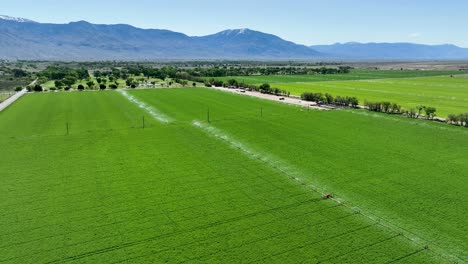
29, 40
392, 51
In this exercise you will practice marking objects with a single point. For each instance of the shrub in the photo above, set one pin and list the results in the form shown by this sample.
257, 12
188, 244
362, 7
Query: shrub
38, 88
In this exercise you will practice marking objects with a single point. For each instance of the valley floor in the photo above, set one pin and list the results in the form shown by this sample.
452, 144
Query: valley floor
146, 176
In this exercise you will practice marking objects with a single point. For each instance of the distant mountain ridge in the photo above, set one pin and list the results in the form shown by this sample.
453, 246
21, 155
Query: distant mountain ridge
25, 39
29, 40
392, 51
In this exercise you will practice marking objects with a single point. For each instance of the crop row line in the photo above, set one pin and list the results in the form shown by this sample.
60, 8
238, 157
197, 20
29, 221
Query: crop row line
148, 183
354, 250
304, 226
407, 255
314, 242
295, 230
202, 227
151, 206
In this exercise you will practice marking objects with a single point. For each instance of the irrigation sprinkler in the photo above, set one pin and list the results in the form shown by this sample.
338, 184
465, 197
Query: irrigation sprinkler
261, 111
68, 128
143, 122
208, 115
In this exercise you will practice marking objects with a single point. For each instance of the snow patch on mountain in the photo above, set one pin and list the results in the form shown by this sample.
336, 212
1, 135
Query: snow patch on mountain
16, 19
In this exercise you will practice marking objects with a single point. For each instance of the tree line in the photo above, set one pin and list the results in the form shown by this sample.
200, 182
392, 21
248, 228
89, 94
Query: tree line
343, 101
394, 108
199, 72
247, 71
265, 88
459, 120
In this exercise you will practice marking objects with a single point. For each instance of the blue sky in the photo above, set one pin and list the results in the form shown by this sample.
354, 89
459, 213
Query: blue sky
302, 21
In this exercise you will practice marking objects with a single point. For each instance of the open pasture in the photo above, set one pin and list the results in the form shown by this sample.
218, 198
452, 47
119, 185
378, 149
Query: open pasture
245, 187
356, 74
448, 95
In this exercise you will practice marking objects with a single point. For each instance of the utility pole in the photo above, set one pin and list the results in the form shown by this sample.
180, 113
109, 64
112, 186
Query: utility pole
208, 115
143, 122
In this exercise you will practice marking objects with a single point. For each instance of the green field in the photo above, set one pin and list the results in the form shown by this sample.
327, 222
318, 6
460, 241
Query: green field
448, 95
357, 74
244, 188
121, 83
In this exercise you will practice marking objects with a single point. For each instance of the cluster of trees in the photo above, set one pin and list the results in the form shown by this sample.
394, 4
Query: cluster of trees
246, 71
14, 72
430, 112
264, 88
101, 86
394, 108
195, 74
460, 120
59, 73
231, 83
384, 107
344, 101
63, 76
267, 89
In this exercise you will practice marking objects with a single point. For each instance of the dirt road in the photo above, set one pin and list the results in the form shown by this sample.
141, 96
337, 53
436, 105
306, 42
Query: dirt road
287, 100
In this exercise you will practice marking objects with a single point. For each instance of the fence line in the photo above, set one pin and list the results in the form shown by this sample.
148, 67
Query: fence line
12, 99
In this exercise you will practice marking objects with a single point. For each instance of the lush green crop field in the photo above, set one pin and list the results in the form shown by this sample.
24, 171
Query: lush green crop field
238, 189
357, 74
409, 172
448, 95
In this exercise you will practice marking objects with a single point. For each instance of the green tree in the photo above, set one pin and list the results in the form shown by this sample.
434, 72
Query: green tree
59, 84
69, 81
420, 108
265, 88
129, 81
354, 102
38, 88
452, 119
430, 112
386, 106
463, 119
411, 113
90, 85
